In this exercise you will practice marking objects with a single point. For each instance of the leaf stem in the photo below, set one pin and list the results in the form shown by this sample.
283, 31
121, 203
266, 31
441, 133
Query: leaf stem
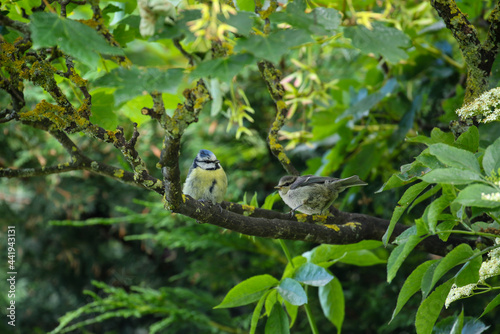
310, 318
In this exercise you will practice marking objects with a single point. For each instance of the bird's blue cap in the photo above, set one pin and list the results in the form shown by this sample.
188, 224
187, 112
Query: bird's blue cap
205, 153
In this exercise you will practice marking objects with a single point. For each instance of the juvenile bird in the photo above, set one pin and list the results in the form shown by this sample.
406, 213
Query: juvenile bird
206, 179
313, 194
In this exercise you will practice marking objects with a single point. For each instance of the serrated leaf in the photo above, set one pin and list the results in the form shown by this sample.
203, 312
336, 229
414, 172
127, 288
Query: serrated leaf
435, 208
439, 136
273, 46
427, 159
242, 21
455, 157
135, 81
277, 321
320, 21
472, 196
469, 140
313, 275
223, 68
399, 254
491, 159
248, 291
292, 292
409, 195
453, 176
74, 38
428, 312
381, 40
331, 298
453, 258
411, 286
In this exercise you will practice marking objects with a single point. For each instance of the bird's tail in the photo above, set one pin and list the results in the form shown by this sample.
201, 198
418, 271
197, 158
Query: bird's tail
348, 182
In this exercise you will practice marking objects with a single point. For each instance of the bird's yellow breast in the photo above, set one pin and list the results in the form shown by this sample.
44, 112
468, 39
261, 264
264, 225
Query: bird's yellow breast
206, 184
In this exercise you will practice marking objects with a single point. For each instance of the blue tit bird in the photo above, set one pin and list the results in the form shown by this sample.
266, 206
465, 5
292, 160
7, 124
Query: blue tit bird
313, 194
206, 180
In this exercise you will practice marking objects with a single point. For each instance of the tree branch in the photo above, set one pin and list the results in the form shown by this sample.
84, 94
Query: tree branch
175, 126
272, 78
478, 57
343, 228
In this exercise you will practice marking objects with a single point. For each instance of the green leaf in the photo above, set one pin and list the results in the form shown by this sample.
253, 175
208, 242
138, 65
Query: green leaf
453, 176
435, 208
469, 140
320, 21
271, 299
331, 298
469, 273
455, 157
361, 258
439, 136
246, 5
427, 159
428, 312
270, 200
313, 275
452, 259
411, 286
292, 292
399, 254
491, 159
429, 193
381, 40
363, 106
292, 311
491, 305
277, 321
471, 325
459, 324
242, 21
135, 81
103, 113
257, 311
74, 38
274, 45
325, 253
471, 196
223, 68
132, 108
410, 194
248, 291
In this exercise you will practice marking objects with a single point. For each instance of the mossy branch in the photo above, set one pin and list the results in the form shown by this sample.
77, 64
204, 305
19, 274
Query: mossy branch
184, 114
272, 78
478, 56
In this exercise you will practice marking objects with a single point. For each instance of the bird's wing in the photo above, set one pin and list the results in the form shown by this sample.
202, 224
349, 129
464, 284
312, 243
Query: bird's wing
310, 179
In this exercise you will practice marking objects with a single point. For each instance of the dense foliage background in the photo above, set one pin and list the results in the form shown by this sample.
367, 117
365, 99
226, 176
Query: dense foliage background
359, 76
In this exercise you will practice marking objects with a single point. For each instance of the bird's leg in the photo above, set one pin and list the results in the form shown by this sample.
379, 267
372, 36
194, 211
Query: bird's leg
292, 213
